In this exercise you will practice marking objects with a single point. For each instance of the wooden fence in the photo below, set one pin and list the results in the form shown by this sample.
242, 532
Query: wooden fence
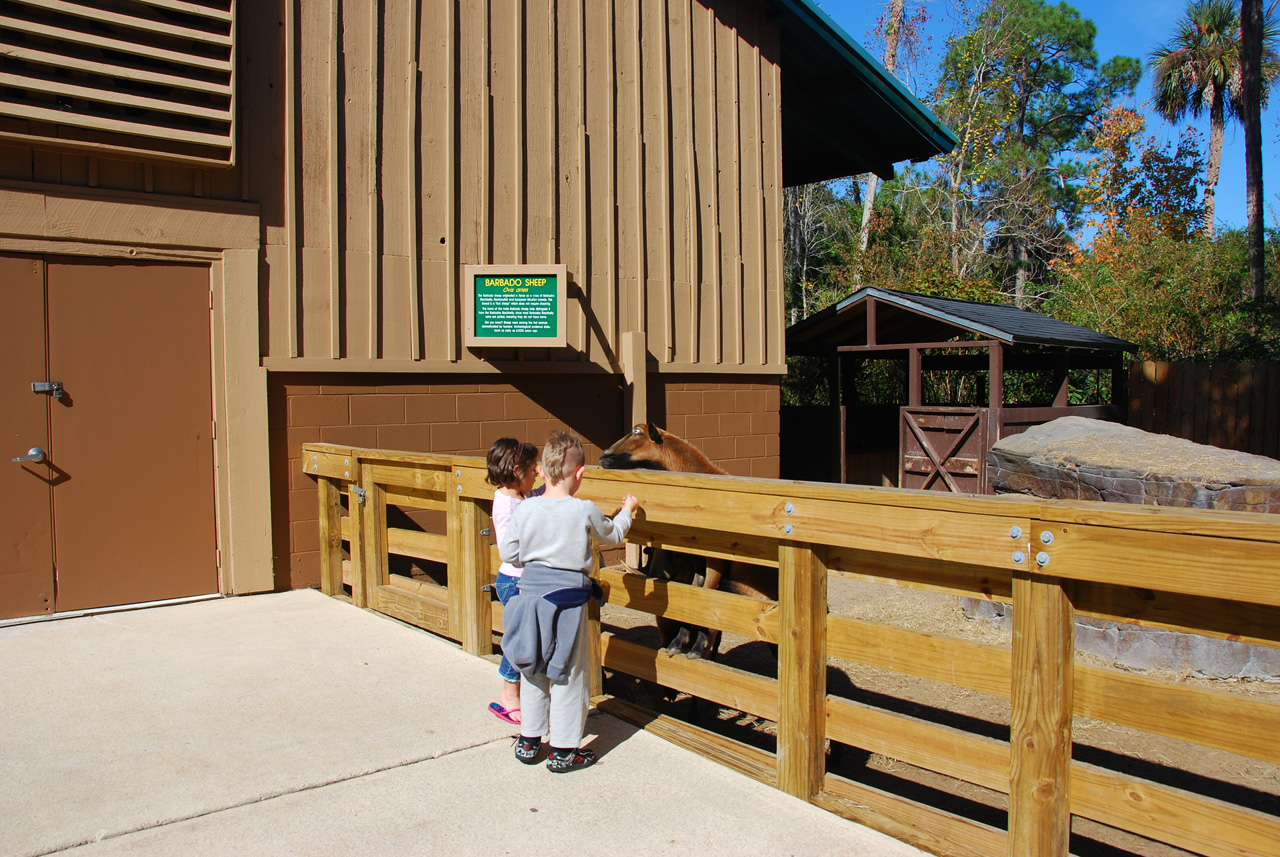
1228, 405
1210, 573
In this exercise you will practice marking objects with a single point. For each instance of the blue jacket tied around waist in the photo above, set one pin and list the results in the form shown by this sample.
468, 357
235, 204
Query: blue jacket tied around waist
541, 622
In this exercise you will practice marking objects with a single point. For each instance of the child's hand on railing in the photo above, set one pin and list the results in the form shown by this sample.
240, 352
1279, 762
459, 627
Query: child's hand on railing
630, 503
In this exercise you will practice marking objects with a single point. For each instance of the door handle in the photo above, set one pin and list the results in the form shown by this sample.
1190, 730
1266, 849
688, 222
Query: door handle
54, 387
35, 455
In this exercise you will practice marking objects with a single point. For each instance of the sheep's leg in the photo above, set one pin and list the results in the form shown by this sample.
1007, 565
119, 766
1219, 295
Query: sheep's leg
680, 642
705, 640
715, 573
705, 644
667, 631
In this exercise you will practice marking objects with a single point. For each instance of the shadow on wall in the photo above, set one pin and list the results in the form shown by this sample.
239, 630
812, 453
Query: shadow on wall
734, 421
460, 415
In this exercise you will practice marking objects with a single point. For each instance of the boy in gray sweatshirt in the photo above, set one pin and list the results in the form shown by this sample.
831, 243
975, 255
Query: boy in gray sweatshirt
544, 633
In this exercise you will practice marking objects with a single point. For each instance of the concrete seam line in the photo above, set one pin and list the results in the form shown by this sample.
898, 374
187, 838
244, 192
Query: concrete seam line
262, 798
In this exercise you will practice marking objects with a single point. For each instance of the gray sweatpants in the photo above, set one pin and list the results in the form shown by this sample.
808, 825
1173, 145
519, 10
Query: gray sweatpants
564, 704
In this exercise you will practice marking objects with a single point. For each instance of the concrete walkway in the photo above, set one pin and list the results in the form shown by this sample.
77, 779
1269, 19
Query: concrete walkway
296, 724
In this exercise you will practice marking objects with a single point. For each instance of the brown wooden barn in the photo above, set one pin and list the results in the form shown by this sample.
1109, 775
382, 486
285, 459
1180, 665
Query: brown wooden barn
230, 228
920, 387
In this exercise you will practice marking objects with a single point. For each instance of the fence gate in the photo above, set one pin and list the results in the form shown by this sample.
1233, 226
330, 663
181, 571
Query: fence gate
944, 449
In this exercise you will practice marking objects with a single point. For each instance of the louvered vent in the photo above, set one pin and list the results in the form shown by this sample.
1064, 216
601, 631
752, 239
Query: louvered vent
153, 79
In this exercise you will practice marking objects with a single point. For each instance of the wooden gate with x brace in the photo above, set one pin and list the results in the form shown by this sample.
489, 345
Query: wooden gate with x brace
944, 449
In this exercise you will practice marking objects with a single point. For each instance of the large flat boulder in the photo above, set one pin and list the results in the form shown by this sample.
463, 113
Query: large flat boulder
1081, 459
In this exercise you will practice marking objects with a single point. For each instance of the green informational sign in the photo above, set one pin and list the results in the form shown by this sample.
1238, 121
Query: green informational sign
520, 306
515, 305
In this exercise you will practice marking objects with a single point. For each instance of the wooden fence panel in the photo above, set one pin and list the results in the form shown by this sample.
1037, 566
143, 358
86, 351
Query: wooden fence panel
412, 607
1271, 440
1124, 563
1228, 405
934, 830
1187, 421
931, 746
1211, 827
1203, 401
736, 614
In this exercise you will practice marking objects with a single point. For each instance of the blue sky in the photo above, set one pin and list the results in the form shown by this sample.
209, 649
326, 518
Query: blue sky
1125, 27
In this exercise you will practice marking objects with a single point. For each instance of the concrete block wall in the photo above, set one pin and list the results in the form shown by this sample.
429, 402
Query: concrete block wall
734, 422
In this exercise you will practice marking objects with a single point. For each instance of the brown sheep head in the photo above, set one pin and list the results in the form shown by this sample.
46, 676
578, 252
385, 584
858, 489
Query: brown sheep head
647, 447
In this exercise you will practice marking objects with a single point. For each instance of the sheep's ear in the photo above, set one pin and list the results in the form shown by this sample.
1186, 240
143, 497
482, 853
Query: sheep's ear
653, 434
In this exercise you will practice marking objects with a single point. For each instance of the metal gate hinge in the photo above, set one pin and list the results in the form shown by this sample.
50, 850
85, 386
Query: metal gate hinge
359, 492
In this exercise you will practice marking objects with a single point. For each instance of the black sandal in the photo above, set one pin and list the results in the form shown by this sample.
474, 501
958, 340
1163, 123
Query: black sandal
563, 761
527, 749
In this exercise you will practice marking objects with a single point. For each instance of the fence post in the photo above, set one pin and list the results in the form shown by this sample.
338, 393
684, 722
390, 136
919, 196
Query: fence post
802, 668
1040, 734
356, 513
372, 527
330, 536
595, 645
470, 614
595, 650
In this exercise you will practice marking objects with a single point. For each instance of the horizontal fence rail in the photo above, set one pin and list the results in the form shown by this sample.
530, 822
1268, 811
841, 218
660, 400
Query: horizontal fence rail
1215, 574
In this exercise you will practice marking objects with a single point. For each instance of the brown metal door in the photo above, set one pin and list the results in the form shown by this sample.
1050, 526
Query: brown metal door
26, 535
134, 518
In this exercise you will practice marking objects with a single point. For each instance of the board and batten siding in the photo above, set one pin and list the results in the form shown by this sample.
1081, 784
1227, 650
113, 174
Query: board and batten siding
635, 141
388, 144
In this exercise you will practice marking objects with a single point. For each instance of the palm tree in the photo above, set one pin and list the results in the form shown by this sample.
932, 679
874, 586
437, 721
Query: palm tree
1199, 70
1253, 33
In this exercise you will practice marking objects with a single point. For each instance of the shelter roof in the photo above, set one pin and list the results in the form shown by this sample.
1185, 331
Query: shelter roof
907, 318
842, 113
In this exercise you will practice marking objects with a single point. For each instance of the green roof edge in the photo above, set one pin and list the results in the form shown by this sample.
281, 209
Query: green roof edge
892, 90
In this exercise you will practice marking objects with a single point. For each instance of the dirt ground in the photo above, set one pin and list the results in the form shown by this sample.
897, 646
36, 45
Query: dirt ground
1226, 776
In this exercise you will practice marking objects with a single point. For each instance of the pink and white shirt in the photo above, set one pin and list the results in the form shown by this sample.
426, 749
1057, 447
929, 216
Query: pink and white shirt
503, 507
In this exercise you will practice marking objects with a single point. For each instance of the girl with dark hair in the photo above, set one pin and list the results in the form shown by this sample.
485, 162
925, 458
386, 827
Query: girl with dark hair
512, 469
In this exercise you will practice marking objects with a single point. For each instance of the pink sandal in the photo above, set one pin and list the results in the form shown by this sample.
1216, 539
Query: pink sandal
504, 714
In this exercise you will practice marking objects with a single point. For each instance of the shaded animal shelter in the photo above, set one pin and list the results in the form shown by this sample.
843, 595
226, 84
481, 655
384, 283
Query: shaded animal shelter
911, 390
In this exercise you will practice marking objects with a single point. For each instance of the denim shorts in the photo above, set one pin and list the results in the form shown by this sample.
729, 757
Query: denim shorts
505, 587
